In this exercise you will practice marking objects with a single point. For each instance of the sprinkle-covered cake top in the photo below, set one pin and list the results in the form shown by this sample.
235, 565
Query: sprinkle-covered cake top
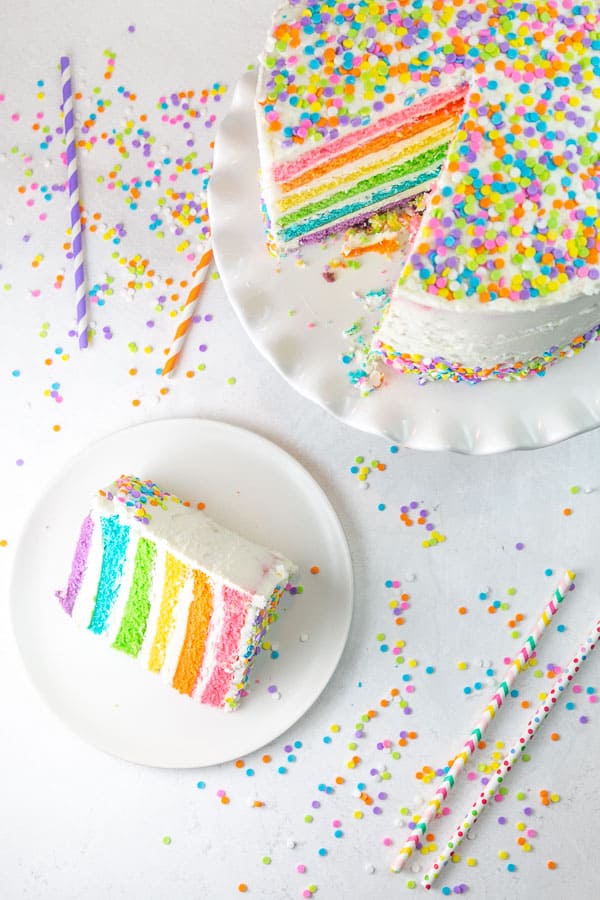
141, 497
515, 214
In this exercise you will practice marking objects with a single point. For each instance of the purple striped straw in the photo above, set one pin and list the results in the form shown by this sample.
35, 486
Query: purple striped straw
76, 242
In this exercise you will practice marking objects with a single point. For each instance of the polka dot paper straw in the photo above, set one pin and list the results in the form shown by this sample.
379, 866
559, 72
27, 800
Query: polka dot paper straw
201, 272
491, 788
447, 783
75, 212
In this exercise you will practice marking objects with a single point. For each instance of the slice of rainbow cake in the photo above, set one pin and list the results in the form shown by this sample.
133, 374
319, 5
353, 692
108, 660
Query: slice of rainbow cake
165, 584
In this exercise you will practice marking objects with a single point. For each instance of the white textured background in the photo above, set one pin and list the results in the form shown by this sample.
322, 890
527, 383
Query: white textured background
78, 824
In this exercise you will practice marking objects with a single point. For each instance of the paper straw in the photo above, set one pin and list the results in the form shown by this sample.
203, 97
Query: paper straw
512, 756
201, 271
447, 783
76, 242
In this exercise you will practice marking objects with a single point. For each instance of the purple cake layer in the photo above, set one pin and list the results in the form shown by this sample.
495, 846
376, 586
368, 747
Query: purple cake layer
358, 219
82, 550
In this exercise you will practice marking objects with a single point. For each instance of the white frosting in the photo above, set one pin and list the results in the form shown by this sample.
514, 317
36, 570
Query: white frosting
156, 592
118, 608
245, 637
177, 635
209, 659
195, 539
486, 338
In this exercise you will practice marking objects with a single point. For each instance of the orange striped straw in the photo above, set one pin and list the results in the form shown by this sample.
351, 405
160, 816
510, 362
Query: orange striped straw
201, 271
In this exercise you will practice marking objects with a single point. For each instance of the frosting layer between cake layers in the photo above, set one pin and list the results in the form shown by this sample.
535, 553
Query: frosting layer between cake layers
371, 169
494, 108
167, 585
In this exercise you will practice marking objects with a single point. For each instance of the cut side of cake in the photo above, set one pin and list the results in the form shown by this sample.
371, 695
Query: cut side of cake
372, 169
165, 584
490, 112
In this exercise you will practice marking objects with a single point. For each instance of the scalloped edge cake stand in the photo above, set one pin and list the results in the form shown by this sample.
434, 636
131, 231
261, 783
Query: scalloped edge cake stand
306, 347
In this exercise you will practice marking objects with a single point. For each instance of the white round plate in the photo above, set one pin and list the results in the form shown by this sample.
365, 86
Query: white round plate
249, 485
307, 347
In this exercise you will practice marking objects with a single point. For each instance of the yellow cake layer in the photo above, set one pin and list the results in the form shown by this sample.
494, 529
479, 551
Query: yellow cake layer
433, 137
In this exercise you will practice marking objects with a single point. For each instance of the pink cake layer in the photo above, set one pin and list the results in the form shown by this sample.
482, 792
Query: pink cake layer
285, 171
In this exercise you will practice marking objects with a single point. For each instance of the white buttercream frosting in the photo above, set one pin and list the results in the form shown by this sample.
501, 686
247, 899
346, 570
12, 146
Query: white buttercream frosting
487, 338
194, 537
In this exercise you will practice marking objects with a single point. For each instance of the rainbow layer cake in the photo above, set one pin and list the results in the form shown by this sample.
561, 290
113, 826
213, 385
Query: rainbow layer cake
163, 583
490, 111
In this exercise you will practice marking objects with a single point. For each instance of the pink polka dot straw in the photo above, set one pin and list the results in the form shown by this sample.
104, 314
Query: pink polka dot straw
446, 784
491, 788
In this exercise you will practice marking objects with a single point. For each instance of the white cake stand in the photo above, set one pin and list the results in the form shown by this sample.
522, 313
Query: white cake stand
296, 320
